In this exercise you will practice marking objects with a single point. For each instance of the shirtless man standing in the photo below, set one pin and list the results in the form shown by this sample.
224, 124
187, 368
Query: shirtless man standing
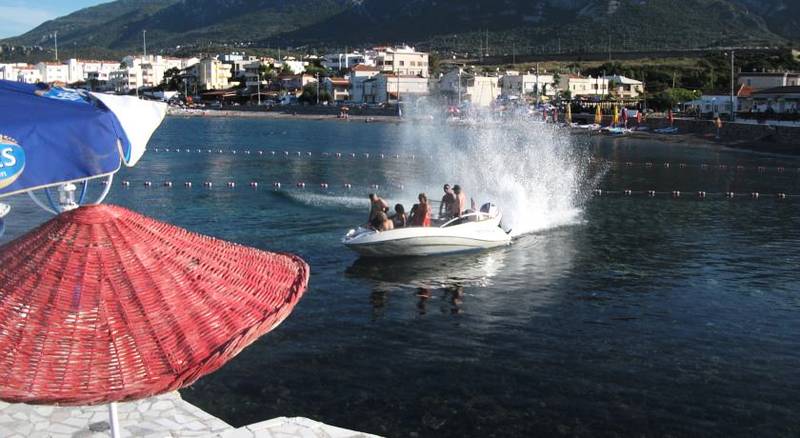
461, 201
447, 202
376, 205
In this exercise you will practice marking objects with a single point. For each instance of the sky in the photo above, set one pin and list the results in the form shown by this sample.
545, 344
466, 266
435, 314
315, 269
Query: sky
20, 16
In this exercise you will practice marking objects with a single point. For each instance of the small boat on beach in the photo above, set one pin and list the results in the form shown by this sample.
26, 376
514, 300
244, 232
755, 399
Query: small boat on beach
469, 232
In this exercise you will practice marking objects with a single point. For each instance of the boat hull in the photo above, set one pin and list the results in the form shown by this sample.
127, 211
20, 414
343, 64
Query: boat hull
419, 241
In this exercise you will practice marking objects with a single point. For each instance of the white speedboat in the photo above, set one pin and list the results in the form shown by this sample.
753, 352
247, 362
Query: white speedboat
470, 232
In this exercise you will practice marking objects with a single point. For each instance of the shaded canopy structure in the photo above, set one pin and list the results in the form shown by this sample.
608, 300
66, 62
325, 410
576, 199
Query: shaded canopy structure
101, 304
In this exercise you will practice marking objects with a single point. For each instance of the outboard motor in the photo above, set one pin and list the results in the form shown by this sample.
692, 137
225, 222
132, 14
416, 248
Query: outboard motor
490, 209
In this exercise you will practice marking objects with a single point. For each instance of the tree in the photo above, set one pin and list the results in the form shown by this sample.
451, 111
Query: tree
172, 79
309, 95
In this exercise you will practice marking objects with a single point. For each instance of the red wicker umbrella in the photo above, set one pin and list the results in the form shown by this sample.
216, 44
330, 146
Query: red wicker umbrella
101, 304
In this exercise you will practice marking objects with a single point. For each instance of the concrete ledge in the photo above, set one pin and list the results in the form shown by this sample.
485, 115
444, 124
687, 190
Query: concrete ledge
164, 416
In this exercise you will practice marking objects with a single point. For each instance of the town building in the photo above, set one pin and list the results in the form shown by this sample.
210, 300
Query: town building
338, 88
779, 100
291, 64
515, 85
293, 84
54, 72
764, 80
624, 87
358, 76
579, 86
459, 86
388, 88
213, 74
402, 60
345, 61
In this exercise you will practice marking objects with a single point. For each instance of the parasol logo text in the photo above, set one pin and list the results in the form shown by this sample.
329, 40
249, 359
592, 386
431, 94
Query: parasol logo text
12, 161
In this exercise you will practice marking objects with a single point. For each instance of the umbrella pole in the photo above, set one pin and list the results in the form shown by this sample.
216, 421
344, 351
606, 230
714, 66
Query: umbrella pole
113, 420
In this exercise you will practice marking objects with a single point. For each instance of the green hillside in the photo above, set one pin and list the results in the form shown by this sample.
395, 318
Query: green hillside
509, 26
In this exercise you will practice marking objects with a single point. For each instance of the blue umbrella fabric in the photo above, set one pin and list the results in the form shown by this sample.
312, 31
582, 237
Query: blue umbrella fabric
51, 135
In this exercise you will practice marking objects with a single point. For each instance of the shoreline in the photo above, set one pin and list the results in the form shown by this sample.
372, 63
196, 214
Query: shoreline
704, 138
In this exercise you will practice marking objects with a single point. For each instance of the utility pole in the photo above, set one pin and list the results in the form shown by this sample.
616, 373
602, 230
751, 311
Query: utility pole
55, 35
317, 88
733, 81
258, 86
144, 42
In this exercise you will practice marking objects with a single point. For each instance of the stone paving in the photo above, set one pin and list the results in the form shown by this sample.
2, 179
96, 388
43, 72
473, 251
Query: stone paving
164, 416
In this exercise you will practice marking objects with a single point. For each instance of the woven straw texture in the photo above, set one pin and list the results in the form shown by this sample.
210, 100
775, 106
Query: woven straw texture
102, 304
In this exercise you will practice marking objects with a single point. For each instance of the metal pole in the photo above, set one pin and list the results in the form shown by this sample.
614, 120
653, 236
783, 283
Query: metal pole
733, 80
55, 35
113, 420
317, 88
258, 86
144, 41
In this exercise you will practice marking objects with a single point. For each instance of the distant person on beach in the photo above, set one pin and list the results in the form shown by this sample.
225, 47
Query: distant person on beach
376, 205
446, 207
399, 218
421, 216
461, 201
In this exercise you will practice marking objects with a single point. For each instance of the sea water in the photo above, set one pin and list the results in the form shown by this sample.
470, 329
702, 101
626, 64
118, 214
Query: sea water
612, 314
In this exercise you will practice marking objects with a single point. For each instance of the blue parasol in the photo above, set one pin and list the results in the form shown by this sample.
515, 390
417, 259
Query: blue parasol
52, 136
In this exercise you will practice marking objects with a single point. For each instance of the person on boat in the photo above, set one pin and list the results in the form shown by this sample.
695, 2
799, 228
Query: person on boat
446, 207
461, 201
422, 214
399, 218
381, 222
376, 205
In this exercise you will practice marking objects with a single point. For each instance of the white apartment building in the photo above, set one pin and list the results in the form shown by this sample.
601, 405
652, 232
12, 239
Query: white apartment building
52, 72
338, 88
625, 87
513, 84
213, 74
10, 72
461, 86
29, 74
358, 76
403, 60
584, 86
343, 61
388, 87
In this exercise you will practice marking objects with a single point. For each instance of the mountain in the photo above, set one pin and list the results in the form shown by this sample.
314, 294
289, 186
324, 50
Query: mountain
521, 26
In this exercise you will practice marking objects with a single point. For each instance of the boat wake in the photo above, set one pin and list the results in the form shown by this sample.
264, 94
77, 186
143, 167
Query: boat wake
536, 173
327, 201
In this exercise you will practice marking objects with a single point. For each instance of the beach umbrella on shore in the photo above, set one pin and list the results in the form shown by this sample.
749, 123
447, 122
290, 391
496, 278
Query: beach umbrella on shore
670, 117
615, 120
101, 304
598, 115
568, 114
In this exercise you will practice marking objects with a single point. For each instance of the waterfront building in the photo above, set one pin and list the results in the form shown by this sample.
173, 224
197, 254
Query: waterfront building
402, 60
345, 61
338, 88
515, 85
779, 100
11, 72
358, 77
625, 87
213, 74
580, 86
293, 65
54, 72
293, 84
459, 86
764, 80
389, 87
29, 74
